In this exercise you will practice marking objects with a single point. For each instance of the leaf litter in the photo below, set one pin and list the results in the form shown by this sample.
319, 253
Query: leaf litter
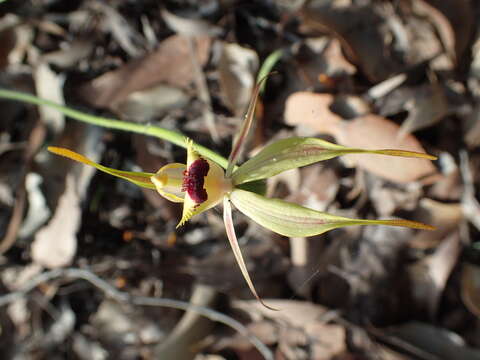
368, 74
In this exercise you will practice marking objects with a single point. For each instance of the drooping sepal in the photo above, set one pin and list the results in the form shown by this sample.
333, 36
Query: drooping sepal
293, 220
295, 152
232, 238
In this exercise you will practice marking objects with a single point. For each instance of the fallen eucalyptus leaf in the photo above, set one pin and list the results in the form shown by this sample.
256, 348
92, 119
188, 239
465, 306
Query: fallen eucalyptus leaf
429, 275
169, 64
55, 244
470, 283
237, 68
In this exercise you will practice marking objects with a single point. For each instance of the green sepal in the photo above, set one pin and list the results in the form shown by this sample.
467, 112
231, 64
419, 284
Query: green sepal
295, 152
293, 220
258, 186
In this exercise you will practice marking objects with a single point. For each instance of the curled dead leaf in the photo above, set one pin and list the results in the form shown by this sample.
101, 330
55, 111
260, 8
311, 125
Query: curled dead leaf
453, 20
237, 68
444, 216
170, 64
429, 275
428, 106
55, 245
470, 283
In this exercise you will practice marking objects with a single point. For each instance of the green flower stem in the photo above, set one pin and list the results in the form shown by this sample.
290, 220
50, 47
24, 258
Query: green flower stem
268, 66
169, 135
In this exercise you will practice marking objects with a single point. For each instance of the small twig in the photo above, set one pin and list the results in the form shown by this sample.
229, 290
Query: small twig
124, 297
381, 89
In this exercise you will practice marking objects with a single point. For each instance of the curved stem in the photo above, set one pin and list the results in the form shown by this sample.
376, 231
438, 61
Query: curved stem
169, 135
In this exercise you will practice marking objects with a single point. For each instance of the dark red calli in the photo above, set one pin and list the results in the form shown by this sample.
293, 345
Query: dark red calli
194, 179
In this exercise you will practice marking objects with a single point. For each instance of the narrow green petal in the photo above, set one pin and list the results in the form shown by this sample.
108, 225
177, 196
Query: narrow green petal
232, 238
244, 129
295, 152
293, 220
138, 178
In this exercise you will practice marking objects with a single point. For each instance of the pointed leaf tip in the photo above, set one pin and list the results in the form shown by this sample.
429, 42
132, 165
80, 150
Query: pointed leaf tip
404, 223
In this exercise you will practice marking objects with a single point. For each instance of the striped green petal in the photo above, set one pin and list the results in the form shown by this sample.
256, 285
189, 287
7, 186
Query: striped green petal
295, 152
293, 220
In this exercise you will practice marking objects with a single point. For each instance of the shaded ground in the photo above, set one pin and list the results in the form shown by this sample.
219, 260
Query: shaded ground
87, 258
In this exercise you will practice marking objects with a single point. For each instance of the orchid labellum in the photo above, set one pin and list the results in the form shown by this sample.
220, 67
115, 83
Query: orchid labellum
201, 184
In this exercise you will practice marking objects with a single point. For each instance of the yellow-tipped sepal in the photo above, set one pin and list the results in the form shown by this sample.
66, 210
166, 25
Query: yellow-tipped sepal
138, 178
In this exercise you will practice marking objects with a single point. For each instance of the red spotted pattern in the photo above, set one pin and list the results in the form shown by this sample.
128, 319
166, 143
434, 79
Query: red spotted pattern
194, 179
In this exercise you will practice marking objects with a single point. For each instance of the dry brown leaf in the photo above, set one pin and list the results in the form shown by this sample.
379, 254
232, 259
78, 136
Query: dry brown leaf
290, 178
376, 132
7, 44
24, 35
367, 47
190, 330
49, 86
444, 216
453, 19
36, 137
387, 199
170, 64
472, 134
145, 105
122, 31
313, 110
189, 27
38, 212
366, 132
321, 60
434, 342
237, 68
474, 73
336, 63
55, 245
428, 106
470, 283
429, 275
318, 188
470, 204
302, 323
71, 54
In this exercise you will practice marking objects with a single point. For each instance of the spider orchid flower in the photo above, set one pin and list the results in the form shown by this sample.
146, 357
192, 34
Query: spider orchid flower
201, 184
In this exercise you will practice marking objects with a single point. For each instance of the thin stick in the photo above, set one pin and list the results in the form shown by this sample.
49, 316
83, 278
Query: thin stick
124, 297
